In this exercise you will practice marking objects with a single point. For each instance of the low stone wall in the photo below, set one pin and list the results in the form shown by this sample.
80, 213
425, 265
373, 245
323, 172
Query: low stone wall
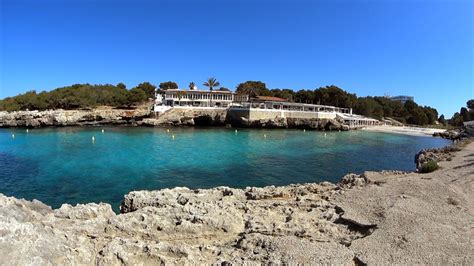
284, 119
259, 114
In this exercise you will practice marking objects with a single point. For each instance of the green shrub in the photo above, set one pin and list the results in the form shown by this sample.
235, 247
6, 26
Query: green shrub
429, 167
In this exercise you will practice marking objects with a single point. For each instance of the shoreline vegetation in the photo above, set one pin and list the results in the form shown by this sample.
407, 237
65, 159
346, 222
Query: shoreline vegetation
374, 218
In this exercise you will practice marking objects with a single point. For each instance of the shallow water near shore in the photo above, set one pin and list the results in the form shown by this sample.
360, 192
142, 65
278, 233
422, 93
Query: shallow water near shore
64, 165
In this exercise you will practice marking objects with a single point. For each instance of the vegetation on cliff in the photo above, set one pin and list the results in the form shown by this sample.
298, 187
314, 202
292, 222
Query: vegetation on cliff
464, 115
80, 96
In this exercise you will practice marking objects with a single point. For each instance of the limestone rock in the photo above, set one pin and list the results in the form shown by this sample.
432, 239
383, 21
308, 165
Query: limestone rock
72, 117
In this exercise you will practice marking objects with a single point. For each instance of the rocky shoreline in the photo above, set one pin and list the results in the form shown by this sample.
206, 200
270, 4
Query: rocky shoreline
373, 218
144, 117
35, 119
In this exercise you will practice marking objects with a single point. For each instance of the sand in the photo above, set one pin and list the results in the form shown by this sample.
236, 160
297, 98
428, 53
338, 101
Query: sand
413, 131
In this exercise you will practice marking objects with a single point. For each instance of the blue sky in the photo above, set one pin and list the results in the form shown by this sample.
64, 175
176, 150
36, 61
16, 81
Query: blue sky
418, 48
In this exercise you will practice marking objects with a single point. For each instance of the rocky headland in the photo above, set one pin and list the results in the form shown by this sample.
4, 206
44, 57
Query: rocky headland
372, 218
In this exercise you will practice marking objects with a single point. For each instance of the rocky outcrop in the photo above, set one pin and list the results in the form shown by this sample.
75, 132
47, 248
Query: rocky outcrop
439, 154
189, 117
182, 225
451, 134
305, 123
73, 117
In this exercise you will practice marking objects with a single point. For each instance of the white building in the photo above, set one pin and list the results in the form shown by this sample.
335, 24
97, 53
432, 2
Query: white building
195, 98
402, 98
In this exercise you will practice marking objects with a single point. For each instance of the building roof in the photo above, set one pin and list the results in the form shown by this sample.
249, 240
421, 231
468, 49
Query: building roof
270, 98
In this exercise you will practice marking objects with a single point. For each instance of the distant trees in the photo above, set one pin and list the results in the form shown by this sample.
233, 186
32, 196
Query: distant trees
253, 88
283, 93
464, 115
191, 85
135, 96
168, 85
470, 104
223, 89
80, 96
442, 120
148, 88
121, 86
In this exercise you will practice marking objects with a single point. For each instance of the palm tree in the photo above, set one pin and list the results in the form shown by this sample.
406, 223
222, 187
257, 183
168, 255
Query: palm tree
191, 85
180, 95
250, 91
211, 83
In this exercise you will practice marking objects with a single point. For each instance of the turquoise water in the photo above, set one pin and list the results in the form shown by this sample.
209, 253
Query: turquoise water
63, 165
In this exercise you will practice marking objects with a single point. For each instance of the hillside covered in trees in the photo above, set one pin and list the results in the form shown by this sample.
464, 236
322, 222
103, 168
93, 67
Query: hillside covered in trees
464, 115
80, 96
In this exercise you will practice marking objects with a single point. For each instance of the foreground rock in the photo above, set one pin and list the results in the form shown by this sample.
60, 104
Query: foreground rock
374, 218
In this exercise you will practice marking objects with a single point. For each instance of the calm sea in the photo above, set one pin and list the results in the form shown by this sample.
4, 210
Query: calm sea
63, 165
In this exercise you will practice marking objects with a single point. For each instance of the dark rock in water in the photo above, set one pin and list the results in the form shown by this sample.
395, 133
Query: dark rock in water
437, 154
333, 125
450, 134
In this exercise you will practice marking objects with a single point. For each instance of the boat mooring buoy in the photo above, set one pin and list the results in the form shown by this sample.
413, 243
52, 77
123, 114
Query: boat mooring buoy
236, 131
304, 130
13, 136
325, 134
172, 136
93, 139
27, 130
103, 131
264, 136
167, 130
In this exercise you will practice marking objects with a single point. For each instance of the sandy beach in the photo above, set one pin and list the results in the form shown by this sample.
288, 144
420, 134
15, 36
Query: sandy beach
413, 131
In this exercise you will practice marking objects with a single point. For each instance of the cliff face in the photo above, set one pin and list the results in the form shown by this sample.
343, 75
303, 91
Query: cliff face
307, 123
189, 117
375, 218
71, 117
